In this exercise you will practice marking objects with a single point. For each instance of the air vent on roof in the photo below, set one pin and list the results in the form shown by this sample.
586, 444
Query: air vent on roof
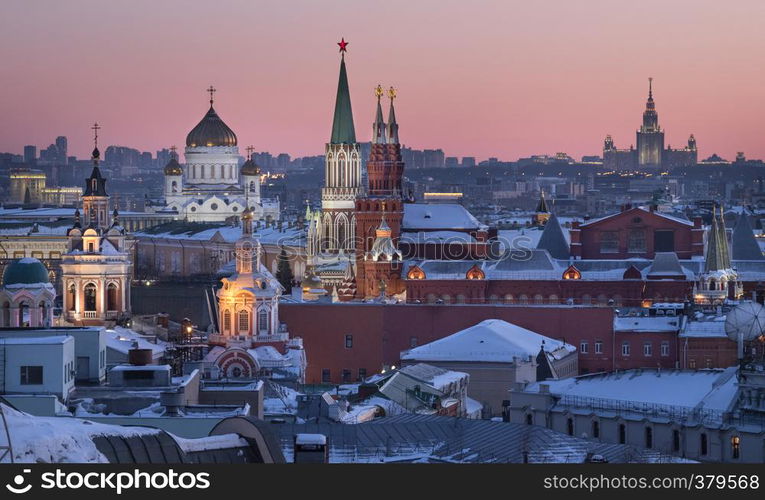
427, 215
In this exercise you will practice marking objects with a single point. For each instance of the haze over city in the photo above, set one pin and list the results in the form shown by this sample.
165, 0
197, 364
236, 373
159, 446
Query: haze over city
503, 79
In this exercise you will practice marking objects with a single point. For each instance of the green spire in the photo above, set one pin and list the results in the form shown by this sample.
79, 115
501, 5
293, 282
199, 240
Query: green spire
718, 256
342, 126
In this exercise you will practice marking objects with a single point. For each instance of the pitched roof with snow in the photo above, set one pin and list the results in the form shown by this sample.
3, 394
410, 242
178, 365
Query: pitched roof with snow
707, 389
492, 340
418, 216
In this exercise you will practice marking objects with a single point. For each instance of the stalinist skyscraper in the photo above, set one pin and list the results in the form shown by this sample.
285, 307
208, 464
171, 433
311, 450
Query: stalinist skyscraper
650, 137
342, 182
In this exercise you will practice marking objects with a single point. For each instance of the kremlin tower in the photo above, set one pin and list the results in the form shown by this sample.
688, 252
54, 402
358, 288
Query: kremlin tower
379, 215
342, 183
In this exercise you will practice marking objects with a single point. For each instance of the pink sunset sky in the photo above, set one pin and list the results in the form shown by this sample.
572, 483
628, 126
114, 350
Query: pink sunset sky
475, 78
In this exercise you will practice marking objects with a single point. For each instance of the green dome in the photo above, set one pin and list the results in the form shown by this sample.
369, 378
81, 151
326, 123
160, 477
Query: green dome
25, 271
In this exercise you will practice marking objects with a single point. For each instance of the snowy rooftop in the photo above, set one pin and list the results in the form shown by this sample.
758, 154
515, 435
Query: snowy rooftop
60, 439
432, 438
647, 324
53, 340
492, 340
703, 389
292, 236
418, 216
705, 327
123, 339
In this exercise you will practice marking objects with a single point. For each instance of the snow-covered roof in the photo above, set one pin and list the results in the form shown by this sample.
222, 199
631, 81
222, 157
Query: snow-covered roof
492, 340
438, 378
419, 216
53, 340
714, 328
292, 236
707, 389
123, 339
60, 439
310, 439
437, 237
647, 323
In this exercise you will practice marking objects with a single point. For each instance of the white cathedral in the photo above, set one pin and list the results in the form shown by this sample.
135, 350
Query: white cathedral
211, 186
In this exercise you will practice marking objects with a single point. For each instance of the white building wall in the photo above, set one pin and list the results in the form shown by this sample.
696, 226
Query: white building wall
57, 360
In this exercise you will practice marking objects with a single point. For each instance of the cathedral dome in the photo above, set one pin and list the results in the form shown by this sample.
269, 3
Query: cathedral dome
173, 167
26, 271
249, 168
211, 131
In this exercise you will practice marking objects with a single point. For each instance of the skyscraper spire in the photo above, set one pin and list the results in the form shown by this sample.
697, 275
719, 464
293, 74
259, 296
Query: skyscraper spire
343, 131
392, 124
378, 127
650, 88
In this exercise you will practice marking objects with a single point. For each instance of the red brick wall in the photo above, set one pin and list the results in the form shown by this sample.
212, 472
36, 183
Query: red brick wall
637, 358
381, 332
688, 239
623, 292
706, 352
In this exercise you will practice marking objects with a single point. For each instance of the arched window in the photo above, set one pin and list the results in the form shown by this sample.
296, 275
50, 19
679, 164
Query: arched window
72, 296
529, 419
538, 299
25, 318
523, 299
112, 297
42, 309
509, 299
174, 188
227, 321
90, 297
263, 321
460, 298
553, 299
244, 321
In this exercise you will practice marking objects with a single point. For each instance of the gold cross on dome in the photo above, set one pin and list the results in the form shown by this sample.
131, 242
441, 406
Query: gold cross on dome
250, 149
212, 90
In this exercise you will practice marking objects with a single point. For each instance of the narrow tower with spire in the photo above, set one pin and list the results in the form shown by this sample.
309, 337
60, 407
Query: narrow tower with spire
719, 281
342, 181
650, 137
95, 200
380, 213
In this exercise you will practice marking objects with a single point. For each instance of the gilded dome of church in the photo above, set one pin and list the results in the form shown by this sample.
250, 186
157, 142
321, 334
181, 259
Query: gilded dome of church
173, 167
249, 168
211, 131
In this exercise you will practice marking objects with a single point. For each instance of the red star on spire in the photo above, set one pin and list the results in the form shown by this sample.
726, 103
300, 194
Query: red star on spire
342, 43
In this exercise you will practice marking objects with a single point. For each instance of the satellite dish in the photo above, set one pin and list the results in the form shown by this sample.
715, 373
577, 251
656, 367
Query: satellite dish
745, 322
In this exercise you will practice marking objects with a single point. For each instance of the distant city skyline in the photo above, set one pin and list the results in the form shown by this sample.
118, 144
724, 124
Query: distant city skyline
488, 79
